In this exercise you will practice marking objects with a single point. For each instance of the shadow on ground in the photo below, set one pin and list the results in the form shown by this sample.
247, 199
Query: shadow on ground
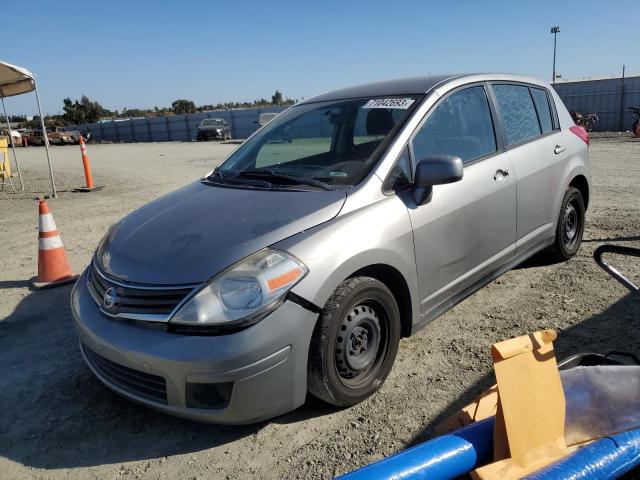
56, 414
616, 328
541, 259
614, 239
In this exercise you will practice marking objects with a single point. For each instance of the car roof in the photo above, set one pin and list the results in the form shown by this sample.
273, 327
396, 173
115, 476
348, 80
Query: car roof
413, 85
400, 86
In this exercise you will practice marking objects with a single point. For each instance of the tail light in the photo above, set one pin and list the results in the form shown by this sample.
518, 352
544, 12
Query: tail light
581, 132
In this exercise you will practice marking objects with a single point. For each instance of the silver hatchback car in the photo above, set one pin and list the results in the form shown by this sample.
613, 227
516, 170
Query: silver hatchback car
350, 221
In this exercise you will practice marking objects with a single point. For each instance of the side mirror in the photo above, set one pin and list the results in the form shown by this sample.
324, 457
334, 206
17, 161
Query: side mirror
435, 170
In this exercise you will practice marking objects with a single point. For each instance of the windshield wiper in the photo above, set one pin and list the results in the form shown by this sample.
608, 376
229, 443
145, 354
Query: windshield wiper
216, 177
285, 176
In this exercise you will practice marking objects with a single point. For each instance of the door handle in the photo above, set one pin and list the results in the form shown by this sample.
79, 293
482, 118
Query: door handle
500, 174
559, 149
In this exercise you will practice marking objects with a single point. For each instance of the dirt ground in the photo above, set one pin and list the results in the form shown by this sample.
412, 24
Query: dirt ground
59, 422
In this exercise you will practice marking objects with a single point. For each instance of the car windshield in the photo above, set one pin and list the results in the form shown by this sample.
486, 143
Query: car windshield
212, 122
336, 143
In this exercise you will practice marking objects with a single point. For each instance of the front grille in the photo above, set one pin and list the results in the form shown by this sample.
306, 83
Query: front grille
132, 301
151, 387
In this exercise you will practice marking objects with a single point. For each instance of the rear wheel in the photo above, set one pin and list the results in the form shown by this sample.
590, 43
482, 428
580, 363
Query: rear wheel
570, 226
354, 343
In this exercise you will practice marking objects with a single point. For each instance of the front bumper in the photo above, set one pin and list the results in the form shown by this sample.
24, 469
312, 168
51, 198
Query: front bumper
210, 135
262, 369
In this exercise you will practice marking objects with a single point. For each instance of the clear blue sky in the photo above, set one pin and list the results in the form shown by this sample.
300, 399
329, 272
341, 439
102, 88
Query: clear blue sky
141, 53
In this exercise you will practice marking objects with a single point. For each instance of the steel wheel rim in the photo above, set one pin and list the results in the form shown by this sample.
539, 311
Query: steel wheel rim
571, 225
361, 343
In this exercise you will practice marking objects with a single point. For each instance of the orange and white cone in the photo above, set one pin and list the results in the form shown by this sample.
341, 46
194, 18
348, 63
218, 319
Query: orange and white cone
90, 187
53, 266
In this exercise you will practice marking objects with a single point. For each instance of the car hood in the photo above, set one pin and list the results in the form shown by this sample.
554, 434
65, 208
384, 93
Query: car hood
199, 230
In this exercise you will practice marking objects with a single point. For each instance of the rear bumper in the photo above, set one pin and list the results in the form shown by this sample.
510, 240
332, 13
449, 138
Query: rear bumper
257, 373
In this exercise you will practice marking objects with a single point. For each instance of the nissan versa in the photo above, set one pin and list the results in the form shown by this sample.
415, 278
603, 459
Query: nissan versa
348, 222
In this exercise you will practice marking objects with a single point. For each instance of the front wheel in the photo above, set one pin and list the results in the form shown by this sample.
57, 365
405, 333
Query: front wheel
570, 226
354, 343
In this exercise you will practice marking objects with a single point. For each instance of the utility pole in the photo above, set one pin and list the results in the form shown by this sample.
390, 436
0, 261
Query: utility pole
622, 101
555, 30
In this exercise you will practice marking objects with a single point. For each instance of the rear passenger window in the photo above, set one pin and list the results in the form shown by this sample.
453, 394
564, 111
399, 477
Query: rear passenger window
542, 107
460, 125
517, 112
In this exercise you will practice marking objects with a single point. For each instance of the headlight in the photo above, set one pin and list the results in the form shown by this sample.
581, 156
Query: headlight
244, 293
101, 255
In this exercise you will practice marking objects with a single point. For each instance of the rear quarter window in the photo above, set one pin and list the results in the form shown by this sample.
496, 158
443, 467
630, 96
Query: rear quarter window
542, 107
517, 112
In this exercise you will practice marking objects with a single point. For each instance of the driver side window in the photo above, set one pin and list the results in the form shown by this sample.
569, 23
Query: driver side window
460, 125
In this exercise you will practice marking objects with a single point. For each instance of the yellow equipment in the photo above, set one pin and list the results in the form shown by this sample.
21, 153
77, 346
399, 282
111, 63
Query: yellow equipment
5, 163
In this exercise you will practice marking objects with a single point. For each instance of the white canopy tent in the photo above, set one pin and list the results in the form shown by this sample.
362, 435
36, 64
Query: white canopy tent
16, 80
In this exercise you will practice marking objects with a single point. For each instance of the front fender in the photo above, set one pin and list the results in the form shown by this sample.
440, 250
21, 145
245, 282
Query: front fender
379, 233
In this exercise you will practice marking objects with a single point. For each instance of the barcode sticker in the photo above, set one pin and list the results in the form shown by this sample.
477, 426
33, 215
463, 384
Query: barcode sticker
400, 103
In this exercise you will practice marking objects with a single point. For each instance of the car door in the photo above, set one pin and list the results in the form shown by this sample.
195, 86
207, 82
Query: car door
468, 228
535, 146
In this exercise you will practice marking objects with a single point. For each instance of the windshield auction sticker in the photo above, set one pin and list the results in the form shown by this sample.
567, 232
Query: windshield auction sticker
400, 103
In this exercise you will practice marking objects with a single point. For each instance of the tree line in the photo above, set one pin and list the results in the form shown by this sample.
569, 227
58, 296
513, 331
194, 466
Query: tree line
86, 110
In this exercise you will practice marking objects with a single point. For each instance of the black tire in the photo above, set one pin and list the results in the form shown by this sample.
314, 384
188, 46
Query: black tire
354, 343
570, 227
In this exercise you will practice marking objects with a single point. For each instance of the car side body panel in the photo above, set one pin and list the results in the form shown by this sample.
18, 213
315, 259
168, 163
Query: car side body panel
471, 268
466, 225
539, 175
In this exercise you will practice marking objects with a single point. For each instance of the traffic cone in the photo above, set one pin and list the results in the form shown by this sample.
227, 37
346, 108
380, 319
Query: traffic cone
53, 266
87, 170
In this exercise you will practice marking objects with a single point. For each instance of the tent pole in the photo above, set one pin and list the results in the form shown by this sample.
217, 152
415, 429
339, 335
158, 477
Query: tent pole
13, 147
46, 139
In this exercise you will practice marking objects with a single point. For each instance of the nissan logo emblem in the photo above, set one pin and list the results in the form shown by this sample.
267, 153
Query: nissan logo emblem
109, 298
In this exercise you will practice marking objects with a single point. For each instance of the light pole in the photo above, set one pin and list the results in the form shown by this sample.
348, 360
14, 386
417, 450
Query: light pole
555, 30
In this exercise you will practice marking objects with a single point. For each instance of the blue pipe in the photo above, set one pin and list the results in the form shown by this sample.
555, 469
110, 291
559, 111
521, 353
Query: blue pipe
604, 459
443, 458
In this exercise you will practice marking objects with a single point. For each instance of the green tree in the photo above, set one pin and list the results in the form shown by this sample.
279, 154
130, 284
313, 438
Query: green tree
14, 119
182, 106
33, 123
277, 98
83, 111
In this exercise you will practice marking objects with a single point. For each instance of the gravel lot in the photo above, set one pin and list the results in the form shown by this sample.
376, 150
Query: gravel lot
58, 421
